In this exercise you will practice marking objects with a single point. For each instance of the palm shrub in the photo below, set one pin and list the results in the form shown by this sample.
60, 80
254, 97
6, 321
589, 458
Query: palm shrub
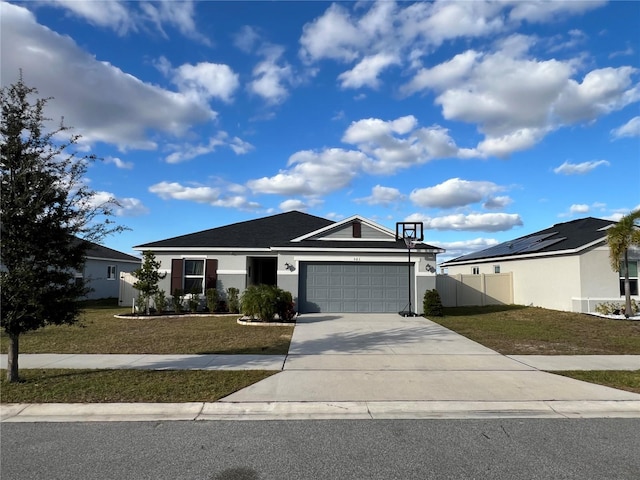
621, 237
432, 304
212, 299
233, 298
260, 301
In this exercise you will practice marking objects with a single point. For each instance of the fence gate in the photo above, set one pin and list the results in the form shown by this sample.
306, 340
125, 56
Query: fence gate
127, 294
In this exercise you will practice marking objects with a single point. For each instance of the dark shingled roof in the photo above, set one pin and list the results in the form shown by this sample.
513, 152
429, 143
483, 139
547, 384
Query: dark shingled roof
274, 231
100, 251
562, 236
259, 233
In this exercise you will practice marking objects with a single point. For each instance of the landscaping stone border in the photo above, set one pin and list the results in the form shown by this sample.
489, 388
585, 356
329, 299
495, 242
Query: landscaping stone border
182, 315
257, 323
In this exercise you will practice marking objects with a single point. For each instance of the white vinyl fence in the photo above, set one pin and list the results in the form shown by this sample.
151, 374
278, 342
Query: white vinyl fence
475, 290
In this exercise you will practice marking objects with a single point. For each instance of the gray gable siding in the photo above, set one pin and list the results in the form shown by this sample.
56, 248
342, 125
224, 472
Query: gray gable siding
346, 232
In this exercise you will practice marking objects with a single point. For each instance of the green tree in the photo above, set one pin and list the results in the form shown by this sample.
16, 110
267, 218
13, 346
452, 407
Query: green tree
621, 237
148, 276
47, 214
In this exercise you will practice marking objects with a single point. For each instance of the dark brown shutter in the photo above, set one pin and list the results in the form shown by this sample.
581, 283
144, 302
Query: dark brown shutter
211, 273
176, 274
357, 229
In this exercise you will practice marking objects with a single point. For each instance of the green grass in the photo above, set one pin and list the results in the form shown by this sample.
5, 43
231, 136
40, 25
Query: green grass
507, 329
99, 332
620, 379
518, 330
108, 386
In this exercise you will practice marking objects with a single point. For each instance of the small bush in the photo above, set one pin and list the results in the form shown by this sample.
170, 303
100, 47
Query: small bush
160, 301
212, 299
615, 308
194, 302
233, 297
141, 303
285, 306
432, 305
178, 297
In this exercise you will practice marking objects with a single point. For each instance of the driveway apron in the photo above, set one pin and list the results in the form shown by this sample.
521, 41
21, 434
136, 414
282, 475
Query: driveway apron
386, 357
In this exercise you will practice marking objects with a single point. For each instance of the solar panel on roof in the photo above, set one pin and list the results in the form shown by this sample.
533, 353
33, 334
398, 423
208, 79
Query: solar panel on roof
543, 244
531, 243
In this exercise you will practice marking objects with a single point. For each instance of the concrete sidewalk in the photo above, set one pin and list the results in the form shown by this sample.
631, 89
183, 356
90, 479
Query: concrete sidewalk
150, 362
550, 363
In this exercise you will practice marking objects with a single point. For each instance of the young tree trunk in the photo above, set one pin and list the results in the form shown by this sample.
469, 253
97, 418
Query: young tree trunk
627, 286
12, 358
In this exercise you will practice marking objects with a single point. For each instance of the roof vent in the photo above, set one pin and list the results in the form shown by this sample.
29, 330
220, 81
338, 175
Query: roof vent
356, 230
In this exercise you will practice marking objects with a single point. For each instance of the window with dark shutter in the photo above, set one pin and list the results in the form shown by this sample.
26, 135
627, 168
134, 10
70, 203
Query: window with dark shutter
211, 273
176, 274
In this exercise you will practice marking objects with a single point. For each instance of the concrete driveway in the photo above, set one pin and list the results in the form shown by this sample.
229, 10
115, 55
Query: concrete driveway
386, 357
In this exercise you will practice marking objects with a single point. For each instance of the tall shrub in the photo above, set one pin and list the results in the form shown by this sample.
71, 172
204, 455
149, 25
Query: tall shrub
233, 298
212, 299
285, 308
148, 276
432, 304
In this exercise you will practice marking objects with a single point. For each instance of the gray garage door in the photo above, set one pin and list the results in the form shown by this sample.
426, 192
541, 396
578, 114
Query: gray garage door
353, 287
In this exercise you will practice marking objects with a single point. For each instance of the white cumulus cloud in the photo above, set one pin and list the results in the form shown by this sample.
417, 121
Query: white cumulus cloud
201, 194
119, 163
207, 80
454, 192
629, 129
101, 102
367, 71
478, 222
568, 168
579, 208
382, 196
313, 173
123, 206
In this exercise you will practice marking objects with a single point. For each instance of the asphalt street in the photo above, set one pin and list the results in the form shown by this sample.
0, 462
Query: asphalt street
506, 449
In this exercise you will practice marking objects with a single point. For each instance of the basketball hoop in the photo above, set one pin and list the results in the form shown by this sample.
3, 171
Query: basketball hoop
412, 234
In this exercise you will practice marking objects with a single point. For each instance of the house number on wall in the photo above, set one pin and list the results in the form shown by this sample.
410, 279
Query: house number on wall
356, 259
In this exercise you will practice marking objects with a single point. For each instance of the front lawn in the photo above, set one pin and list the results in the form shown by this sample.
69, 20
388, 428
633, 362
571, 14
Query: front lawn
518, 330
109, 386
100, 332
620, 379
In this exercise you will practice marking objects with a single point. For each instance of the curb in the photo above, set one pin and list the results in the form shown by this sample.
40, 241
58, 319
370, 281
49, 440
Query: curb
261, 411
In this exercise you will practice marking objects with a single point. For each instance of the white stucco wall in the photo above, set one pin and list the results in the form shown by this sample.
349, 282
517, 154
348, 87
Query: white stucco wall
232, 267
563, 282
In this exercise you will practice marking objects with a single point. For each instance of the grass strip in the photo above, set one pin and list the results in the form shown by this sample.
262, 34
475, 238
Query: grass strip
621, 379
100, 332
110, 386
519, 330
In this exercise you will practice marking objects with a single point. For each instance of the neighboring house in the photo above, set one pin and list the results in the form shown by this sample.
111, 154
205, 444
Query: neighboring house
564, 267
353, 265
102, 270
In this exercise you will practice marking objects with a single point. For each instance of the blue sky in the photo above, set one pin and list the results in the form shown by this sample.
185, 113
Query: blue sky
484, 120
